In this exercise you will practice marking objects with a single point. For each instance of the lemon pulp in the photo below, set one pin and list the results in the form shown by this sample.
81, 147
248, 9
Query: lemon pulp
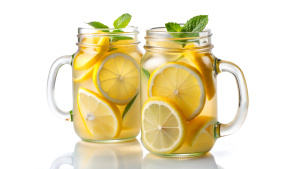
117, 77
101, 118
182, 84
163, 125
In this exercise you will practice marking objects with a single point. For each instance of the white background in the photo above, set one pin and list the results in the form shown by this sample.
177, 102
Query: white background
261, 37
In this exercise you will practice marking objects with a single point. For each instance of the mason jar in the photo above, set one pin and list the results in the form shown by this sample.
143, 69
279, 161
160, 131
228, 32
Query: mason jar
179, 93
105, 72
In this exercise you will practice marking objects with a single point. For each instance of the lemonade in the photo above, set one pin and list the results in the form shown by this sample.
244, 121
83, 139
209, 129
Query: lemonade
178, 96
106, 86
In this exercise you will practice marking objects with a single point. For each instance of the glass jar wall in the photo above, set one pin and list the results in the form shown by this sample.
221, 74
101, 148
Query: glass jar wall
106, 84
178, 93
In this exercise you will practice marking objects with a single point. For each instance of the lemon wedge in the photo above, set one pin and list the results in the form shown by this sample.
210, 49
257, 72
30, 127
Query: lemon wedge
80, 76
87, 58
200, 125
204, 63
116, 77
102, 119
180, 83
163, 125
200, 135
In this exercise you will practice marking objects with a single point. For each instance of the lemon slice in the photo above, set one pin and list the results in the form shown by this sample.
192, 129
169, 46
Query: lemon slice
200, 135
163, 125
201, 125
182, 84
87, 58
204, 63
81, 76
117, 78
101, 118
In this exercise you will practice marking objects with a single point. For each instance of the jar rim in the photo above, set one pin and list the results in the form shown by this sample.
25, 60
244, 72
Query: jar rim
128, 34
127, 30
162, 33
155, 35
164, 30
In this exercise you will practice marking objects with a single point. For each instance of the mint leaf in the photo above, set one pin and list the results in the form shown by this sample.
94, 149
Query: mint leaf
112, 49
72, 59
117, 38
71, 115
122, 21
173, 27
179, 58
128, 106
117, 30
195, 24
119, 23
146, 73
97, 25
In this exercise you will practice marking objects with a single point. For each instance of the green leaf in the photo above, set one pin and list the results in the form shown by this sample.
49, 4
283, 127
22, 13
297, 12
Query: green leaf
117, 38
112, 49
71, 115
117, 30
72, 59
97, 25
128, 106
179, 58
146, 73
173, 27
122, 21
195, 24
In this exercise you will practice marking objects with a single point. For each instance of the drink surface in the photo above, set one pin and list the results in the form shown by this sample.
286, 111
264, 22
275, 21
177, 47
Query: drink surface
106, 89
178, 100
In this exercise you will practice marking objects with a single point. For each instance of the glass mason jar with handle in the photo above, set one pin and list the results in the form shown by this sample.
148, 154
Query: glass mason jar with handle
105, 69
179, 93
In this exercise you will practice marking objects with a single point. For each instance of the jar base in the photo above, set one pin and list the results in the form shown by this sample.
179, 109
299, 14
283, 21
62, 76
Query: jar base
110, 141
189, 155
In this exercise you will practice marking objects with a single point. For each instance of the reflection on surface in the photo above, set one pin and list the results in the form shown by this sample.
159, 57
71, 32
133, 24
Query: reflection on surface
128, 155
206, 161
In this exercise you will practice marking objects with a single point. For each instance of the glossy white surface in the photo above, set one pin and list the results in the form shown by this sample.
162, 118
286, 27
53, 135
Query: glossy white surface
261, 37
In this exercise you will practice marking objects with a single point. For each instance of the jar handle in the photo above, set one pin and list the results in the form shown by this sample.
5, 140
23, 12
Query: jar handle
65, 159
65, 115
240, 117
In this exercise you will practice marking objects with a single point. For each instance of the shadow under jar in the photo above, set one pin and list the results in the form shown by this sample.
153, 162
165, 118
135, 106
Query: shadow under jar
105, 72
179, 96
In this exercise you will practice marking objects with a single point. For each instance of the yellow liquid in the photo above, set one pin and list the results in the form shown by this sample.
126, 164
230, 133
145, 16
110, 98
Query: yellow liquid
130, 122
198, 139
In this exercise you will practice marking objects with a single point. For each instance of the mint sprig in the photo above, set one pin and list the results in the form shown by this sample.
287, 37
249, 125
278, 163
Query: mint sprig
195, 24
120, 22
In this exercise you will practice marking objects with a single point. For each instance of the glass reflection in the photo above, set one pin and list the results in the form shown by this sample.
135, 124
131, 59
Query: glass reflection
128, 155
206, 161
